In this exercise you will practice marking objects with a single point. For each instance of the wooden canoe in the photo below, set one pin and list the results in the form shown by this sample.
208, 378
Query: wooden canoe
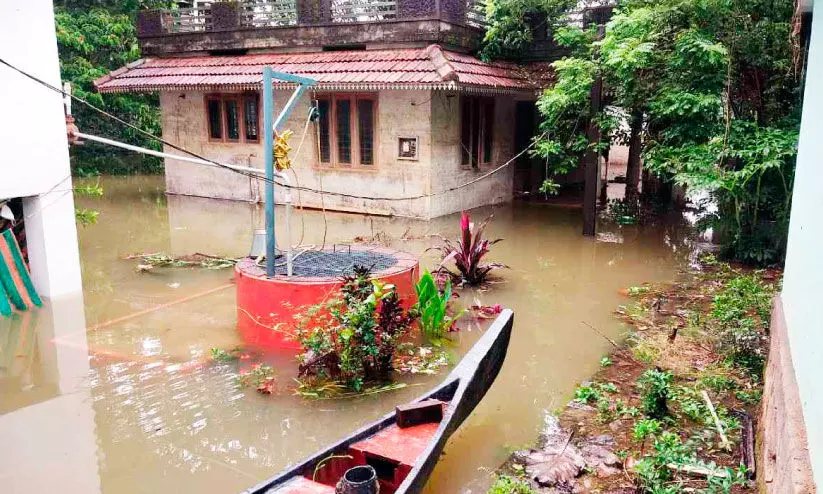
404, 455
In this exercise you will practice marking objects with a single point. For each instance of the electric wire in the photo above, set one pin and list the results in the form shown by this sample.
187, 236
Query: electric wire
119, 120
255, 176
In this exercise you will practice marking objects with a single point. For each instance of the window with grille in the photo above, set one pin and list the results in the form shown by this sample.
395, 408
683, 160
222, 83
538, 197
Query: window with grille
476, 130
233, 117
347, 129
343, 130
251, 117
215, 110
323, 128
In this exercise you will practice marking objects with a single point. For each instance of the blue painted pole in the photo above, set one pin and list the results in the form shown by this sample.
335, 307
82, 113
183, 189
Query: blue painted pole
268, 146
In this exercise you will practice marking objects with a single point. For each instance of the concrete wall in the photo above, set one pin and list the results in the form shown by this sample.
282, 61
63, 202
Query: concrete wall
431, 116
446, 169
34, 163
803, 279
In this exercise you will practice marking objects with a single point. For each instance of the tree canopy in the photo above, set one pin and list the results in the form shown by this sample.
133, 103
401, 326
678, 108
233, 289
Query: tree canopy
95, 37
711, 90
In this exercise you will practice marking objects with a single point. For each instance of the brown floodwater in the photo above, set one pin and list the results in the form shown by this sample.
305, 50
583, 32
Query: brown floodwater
100, 392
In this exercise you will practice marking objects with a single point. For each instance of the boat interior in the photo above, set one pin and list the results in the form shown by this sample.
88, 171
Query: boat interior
391, 451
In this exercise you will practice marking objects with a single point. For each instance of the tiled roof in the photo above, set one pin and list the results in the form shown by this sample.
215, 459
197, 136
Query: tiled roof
430, 67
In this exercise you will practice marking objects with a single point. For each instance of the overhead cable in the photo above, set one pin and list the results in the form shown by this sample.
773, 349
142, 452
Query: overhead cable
253, 174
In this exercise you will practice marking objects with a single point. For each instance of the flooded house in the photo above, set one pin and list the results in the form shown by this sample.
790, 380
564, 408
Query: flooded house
404, 119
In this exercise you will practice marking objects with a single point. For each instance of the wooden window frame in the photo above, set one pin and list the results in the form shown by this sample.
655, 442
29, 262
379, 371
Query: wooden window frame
240, 100
354, 131
477, 110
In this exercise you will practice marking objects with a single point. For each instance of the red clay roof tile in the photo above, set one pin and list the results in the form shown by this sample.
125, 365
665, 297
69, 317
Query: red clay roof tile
400, 68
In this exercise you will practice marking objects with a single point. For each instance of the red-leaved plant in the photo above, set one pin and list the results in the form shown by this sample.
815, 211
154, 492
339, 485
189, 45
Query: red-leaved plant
467, 253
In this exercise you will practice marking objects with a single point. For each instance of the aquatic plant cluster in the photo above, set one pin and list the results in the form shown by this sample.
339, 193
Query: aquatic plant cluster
432, 307
352, 338
467, 253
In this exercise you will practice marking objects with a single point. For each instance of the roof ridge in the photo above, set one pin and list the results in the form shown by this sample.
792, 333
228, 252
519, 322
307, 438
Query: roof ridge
441, 64
122, 70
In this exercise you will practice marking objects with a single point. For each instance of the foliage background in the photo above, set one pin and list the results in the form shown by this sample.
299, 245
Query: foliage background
95, 37
711, 90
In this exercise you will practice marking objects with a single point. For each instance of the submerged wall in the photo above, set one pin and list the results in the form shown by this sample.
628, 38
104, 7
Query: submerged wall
446, 169
399, 114
430, 116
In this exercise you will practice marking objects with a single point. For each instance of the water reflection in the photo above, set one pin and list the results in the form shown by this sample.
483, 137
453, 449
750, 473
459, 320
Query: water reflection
152, 413
48, 419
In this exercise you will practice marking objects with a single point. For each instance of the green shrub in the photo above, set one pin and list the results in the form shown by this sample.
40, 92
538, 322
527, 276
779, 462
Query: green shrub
653, 472
586, 393
592, 392
644, 428
741, 311
718, 383
505, 484
352, 338
749, 397
691, 404
655, 385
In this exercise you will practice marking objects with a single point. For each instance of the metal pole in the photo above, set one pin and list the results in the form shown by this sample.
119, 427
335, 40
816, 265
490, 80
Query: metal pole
268, 146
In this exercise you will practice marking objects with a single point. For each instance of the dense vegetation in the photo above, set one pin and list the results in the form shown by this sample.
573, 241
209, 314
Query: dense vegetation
95, 37
710, 90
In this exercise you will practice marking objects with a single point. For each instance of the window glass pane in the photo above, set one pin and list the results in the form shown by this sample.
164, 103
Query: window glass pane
343, 112
488, 130
215, 119
323, 127
365, 130
251, 118
232, 120
465, 131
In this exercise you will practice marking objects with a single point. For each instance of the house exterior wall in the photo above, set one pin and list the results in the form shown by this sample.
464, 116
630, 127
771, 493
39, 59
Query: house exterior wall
446, 171
430, 116
35, 159
792, 449
184, 123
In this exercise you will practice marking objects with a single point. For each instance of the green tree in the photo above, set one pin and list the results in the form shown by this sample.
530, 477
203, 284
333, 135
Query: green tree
95, 37
711, 89
511, 24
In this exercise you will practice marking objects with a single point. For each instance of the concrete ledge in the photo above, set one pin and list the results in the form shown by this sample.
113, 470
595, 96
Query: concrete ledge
422, 32
784, 464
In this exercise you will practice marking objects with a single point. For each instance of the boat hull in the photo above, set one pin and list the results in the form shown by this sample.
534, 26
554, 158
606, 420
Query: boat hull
463, 389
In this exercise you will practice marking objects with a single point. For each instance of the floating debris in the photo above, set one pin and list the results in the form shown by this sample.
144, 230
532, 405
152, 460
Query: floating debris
198, 260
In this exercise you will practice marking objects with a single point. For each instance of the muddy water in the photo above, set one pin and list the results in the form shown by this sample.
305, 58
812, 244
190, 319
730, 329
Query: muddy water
103, 393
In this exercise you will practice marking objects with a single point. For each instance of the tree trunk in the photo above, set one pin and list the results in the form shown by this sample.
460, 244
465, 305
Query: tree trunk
633, 164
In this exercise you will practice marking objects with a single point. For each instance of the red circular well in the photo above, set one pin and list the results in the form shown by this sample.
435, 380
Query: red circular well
266, 306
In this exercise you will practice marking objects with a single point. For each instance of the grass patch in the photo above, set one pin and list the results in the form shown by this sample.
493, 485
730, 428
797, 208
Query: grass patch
506, 484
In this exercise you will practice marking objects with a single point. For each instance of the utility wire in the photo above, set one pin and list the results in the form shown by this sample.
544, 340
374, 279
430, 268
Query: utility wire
253, 175
123, 122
